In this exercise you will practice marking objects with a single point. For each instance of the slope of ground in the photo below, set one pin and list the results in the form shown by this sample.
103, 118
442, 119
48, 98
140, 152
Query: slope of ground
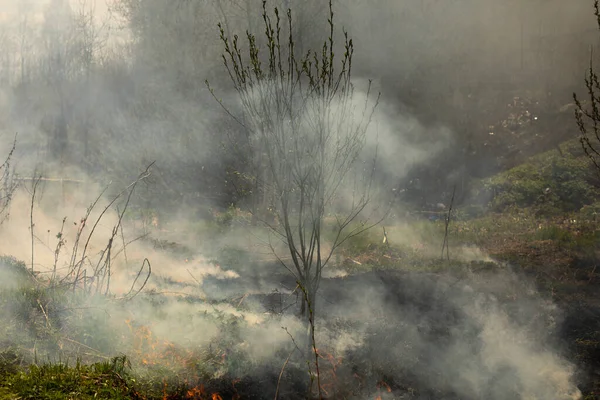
514, 252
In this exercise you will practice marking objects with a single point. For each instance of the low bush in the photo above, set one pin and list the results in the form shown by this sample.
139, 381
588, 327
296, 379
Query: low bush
550, 182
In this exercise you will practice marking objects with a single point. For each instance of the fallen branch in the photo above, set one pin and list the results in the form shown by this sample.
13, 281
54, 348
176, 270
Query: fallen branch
193, 277
87, 347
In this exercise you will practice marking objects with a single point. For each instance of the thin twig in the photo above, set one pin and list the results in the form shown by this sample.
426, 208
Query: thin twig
193, 277
281, 373
129, 296
31, 224
9, 183
130, 188
445, 244
48, 324
123, 239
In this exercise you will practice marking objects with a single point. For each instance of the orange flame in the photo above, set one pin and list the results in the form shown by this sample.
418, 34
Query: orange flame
383, 384
150, 350
195, 392
199, 393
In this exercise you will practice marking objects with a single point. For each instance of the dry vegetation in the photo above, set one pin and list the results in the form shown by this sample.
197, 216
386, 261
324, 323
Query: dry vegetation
555, 251
285, 233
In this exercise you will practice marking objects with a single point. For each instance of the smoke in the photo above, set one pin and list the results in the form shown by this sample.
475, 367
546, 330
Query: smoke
477, 336
173, 310
468, 336
460, 45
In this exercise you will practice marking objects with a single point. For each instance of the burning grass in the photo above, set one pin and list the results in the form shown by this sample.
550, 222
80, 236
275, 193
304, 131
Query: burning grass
387, 328
55, 325
358, 353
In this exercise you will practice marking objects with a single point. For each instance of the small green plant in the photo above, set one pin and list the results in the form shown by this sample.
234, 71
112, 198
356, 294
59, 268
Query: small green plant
10, 359
223, 219
14, 272
363, 243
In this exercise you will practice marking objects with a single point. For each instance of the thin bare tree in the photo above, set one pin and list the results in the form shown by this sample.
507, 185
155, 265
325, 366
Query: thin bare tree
588, 115
306, 127
8, 183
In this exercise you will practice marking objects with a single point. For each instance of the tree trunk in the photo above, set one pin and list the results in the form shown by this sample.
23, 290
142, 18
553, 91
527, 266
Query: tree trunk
303, 308
60, 138
309, 297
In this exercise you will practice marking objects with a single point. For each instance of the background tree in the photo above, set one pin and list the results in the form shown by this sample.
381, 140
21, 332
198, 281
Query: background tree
307, 129
588, 115
7, 183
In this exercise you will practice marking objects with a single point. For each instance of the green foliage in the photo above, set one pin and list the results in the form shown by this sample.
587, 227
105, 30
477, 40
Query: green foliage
106, 380
233, 216
470, 211
31, 312
590, 212
224, 219
362, 243
37, 316
554, 232
13, 272
588, 118
9, 361
228, 346
584, 239
549, 183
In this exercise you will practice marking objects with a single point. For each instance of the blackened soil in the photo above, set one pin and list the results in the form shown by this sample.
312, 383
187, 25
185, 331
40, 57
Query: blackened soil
424, 335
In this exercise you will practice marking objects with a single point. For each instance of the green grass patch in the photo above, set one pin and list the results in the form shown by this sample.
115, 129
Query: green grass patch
106, 380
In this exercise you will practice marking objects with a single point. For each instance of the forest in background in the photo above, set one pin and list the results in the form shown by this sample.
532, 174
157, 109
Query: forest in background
102, 90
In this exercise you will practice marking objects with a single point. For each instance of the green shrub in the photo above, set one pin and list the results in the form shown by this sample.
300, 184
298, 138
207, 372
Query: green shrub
225, 218
556, 233
363, 243
548, 182
470, 211
590, 212
9, 362
13, 272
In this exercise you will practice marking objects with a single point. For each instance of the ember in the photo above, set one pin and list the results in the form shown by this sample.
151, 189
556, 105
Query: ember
200, 393
382, 385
